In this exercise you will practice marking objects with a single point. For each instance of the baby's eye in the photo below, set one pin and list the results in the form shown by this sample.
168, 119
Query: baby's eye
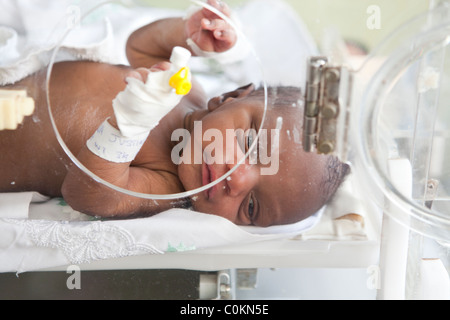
246, 141
250, 139
251, 207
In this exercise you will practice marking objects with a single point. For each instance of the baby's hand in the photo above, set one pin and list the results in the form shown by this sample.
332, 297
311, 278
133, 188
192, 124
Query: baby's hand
142, 73
147, 98
210, 32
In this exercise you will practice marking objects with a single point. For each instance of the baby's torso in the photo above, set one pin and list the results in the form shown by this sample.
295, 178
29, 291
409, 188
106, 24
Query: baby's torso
80, 94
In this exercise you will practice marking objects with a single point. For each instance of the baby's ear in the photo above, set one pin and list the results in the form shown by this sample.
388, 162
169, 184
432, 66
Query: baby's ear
245, 90
241, 92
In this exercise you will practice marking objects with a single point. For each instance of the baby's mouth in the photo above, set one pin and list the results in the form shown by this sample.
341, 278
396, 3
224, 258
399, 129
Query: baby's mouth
207, 178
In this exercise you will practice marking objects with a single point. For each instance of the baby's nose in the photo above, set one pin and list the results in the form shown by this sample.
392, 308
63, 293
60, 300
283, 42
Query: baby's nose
242, 180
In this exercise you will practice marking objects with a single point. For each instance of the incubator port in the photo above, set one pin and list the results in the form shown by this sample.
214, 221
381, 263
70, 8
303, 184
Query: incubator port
14, 106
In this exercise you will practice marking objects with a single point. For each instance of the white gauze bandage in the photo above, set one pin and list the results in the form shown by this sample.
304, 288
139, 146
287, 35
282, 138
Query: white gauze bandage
139, 109
109, 143
238, 52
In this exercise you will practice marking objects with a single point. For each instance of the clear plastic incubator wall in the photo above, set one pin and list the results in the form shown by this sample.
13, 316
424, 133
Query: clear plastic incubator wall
373, 91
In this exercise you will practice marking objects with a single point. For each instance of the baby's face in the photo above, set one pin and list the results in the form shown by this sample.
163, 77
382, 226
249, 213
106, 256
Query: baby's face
278, 184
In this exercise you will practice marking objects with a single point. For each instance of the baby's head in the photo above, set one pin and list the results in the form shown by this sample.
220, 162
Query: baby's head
279, 183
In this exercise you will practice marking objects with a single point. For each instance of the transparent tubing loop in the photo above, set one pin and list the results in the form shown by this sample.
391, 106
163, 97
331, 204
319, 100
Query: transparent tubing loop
431, 38
173, 196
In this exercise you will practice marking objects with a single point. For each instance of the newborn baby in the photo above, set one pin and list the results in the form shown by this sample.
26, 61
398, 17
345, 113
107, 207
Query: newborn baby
260, 193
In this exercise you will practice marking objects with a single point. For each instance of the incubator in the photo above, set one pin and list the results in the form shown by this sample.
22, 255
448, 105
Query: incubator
396, 118
386, 232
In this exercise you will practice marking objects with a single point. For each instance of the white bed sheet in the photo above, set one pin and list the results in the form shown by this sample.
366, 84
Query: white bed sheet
48, 233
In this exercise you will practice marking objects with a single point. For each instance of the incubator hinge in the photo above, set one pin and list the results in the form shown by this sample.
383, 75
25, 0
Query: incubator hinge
326, 113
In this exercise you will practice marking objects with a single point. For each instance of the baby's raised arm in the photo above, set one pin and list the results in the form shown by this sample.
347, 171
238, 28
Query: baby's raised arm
203, 29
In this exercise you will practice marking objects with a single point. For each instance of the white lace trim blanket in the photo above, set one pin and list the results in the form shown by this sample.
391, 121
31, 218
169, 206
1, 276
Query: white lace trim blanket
37, 233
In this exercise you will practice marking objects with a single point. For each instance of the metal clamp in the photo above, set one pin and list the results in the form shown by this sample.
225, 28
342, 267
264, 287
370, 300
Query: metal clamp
326, 113
224, 283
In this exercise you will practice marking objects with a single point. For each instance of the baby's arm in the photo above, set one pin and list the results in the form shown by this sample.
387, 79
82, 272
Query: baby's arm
111, 152
84, 194
153, 43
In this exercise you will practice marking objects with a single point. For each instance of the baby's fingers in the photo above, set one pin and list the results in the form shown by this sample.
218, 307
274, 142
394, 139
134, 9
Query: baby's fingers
219, 5
141, 74
160, 66
222, 32
216, 24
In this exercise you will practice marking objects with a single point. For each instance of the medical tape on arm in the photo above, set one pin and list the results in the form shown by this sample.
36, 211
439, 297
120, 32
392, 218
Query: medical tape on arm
108, 143
238, 52
139, 108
